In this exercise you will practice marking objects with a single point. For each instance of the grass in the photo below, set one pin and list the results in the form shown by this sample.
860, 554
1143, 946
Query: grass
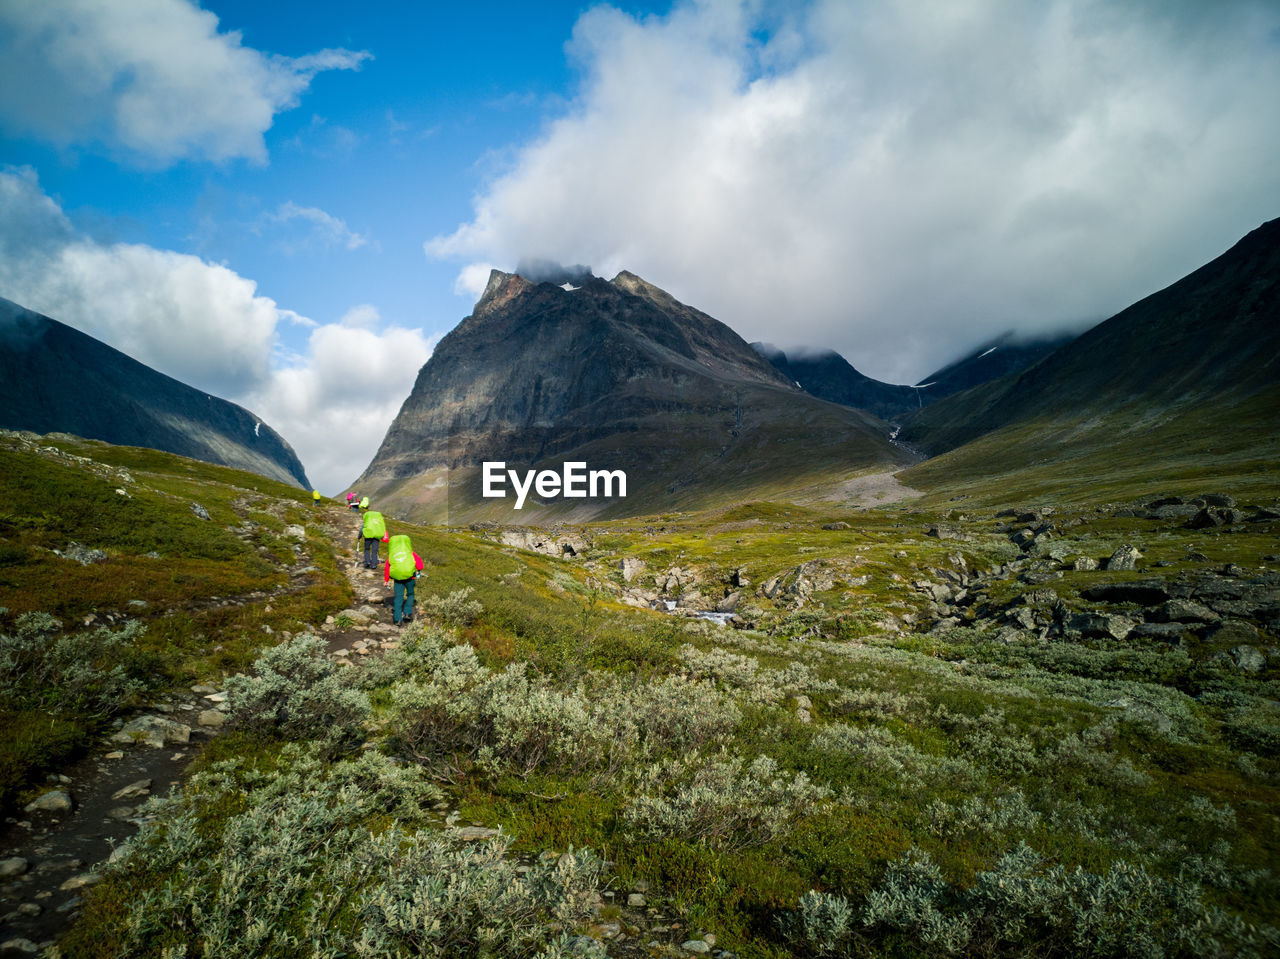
942, 742
203, 589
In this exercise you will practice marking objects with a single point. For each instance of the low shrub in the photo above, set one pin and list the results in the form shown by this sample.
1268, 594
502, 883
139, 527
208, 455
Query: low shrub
722, 802
297, 856
298, 692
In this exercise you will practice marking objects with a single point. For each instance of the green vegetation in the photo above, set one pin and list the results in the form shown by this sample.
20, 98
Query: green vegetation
113, 587
925, 742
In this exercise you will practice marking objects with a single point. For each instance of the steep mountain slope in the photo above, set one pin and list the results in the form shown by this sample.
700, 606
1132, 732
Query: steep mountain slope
1190, 374
618, 375
829, 376
56, 379
1005, 354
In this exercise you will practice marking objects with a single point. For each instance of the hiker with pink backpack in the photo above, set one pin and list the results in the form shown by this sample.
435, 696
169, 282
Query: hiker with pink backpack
403, 566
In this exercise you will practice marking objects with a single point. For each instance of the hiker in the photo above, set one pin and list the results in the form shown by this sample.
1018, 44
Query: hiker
315, 497
352, 502
364, 502
373, 528
403, 565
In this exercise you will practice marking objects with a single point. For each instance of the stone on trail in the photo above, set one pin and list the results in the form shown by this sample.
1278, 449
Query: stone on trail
9, 868
211, 718
155, 731
58, 800
135, 790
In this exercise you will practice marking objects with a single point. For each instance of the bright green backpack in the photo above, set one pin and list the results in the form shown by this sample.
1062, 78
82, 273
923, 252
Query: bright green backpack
375, 527
401, 555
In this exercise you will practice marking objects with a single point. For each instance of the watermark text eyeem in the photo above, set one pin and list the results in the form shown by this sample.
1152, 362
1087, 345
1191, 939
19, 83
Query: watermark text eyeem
574, 481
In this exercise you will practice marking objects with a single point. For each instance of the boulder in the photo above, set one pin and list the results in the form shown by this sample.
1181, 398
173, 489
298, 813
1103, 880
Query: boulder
1084, 563
155, 731
1183, 611
57, 800
200, 511
14, 867
1126, 557
630, 568
1248, 658
1214, 516
1101, 624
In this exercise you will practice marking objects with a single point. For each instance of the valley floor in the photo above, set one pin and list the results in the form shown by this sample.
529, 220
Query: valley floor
1032, 728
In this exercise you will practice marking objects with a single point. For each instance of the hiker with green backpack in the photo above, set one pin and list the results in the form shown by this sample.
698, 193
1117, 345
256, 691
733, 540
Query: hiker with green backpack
403, 565
373, 529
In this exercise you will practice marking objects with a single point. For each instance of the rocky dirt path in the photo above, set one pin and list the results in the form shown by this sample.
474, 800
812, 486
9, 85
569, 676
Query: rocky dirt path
49, 856
366, 628
52, 850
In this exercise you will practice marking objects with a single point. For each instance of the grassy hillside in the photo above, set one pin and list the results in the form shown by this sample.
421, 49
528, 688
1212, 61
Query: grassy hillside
159, 596
934, 735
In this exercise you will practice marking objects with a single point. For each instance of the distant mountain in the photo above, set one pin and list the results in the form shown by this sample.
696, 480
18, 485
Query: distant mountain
618, 375
56, 379
1192, 368
1005, 354
828, 375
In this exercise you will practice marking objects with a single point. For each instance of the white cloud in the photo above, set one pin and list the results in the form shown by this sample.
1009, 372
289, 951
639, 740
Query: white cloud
336, 405
152, 79
472, 280
318, 228
899, 180
206, 325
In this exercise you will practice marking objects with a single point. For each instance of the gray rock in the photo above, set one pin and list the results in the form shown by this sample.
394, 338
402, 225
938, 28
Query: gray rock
1126, 557
695, 946
1232, 632
295, 532
834, 526
82, 554
475, 833
155, 731
135, 790
11, 868
1084, 564
636, 900
59, 800
945, 531
1101, 624
211, 718
1164, 632
730, 603
1249, 658
630, 567
19, 945
1184, 611
200, 511
1213, 516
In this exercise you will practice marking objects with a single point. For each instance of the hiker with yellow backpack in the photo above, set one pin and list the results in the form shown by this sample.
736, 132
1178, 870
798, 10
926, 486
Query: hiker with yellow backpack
403, 565
373, 530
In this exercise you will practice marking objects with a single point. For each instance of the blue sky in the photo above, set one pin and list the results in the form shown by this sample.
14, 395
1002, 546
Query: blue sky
288, 203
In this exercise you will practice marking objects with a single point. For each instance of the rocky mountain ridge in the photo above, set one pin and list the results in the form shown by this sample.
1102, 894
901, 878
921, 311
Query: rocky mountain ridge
617, 374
